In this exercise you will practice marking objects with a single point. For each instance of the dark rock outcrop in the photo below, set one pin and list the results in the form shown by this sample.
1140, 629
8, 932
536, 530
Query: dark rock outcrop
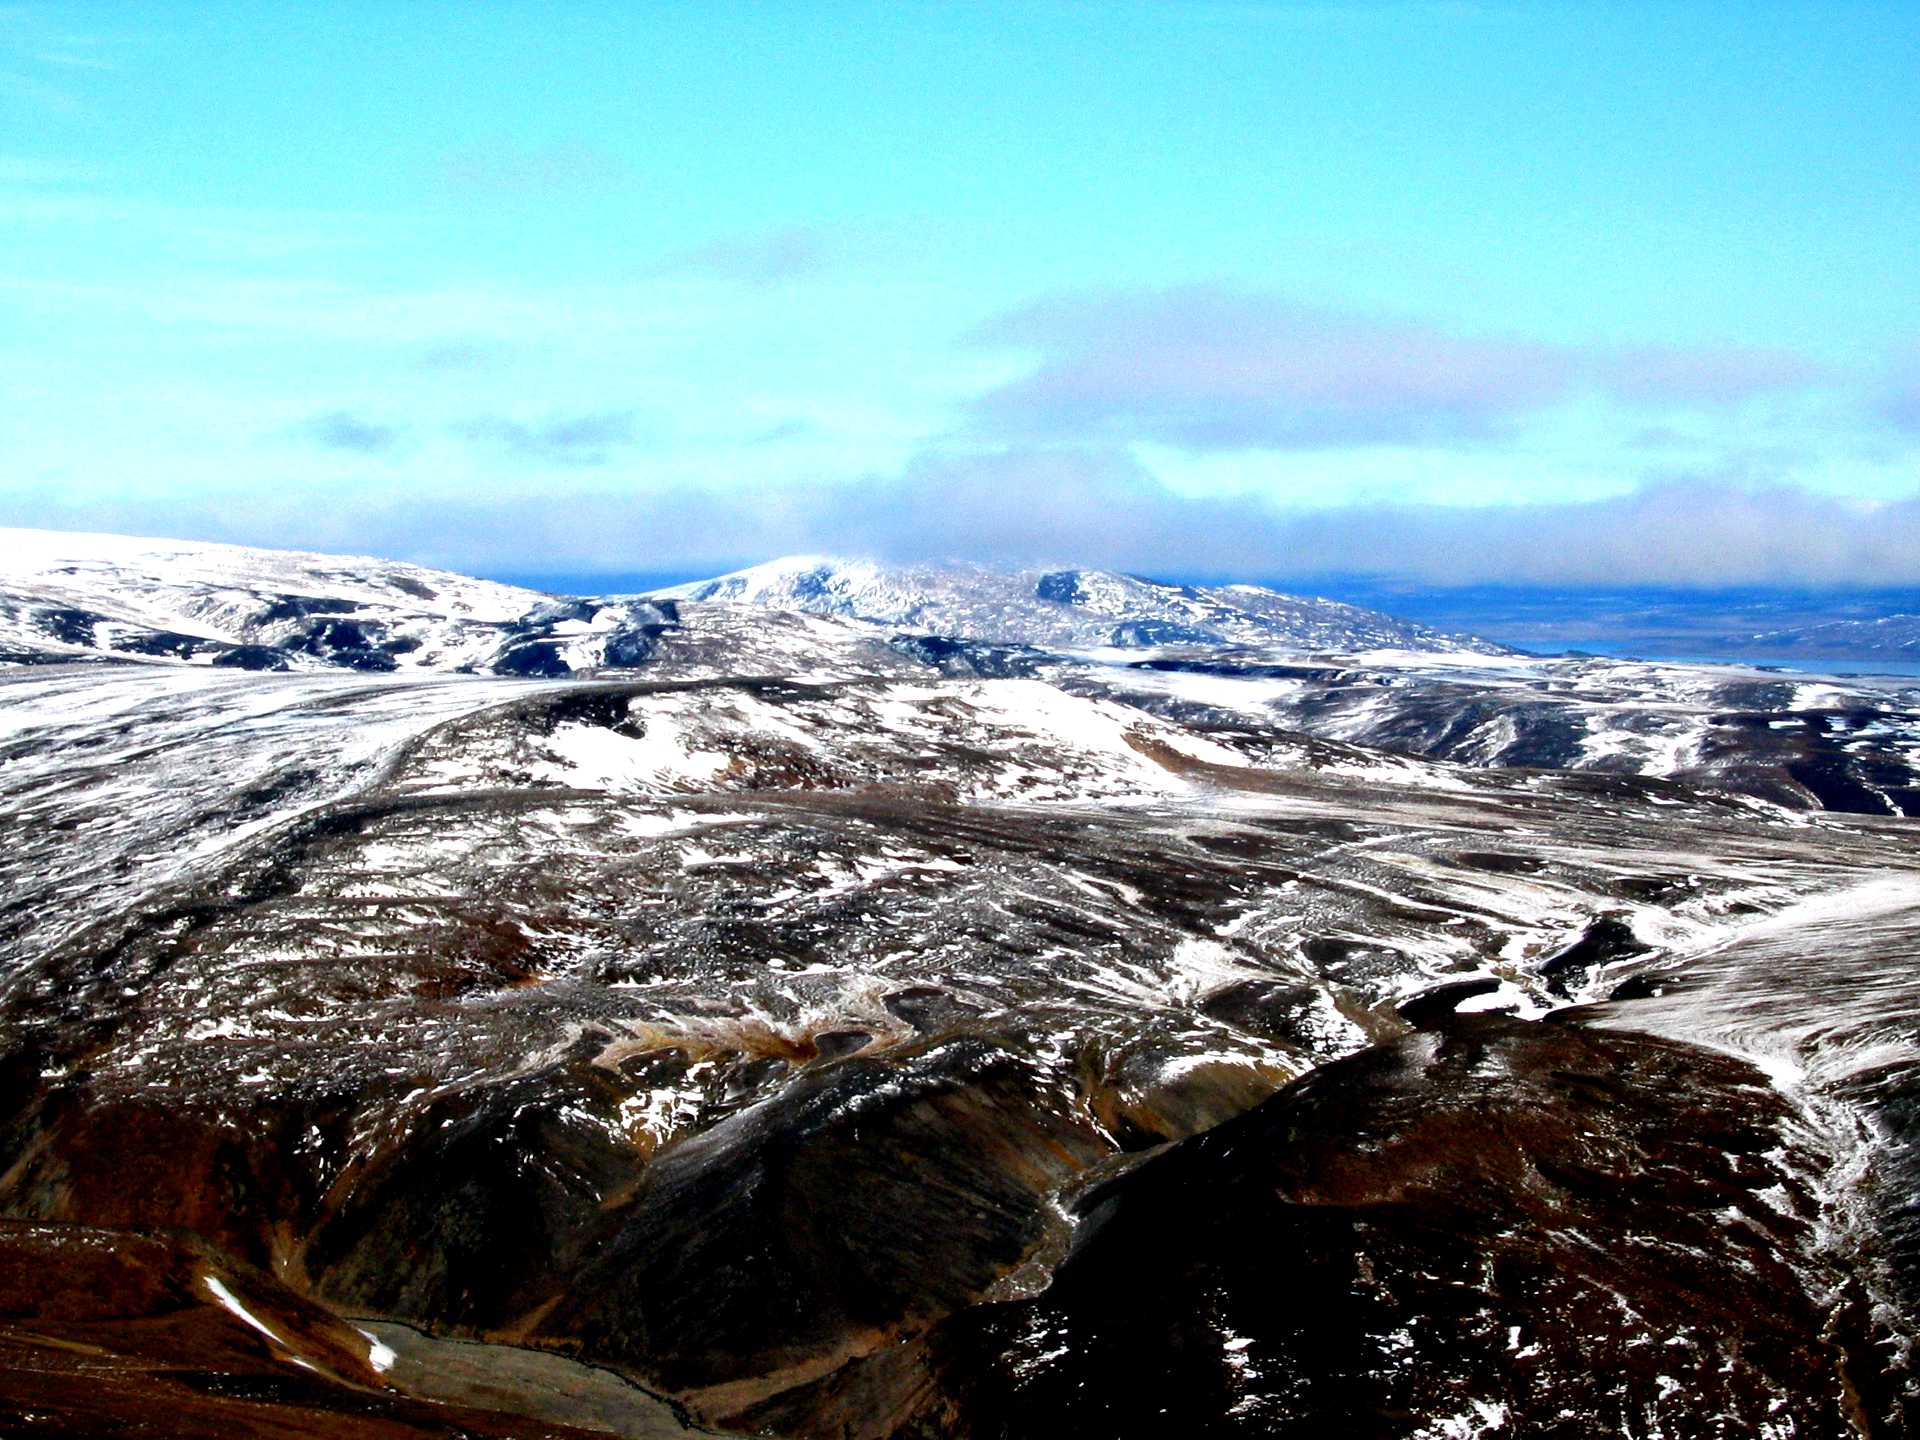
1513, 1229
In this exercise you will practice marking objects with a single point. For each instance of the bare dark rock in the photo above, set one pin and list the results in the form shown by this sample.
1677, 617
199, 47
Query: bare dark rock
1534, 1229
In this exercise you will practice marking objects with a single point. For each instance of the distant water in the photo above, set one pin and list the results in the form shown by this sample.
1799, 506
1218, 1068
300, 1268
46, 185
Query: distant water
1644, 623
1798, 665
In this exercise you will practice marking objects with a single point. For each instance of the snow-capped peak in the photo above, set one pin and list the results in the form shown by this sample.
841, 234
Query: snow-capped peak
1059, 606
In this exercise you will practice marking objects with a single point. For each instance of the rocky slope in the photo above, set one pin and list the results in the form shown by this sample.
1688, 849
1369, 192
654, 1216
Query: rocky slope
1457, 1233
107, 1333
1354, 675
809, 1034
1795, 740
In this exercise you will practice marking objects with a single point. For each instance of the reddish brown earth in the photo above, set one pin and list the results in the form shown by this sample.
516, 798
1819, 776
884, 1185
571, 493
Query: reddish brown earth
116, 1334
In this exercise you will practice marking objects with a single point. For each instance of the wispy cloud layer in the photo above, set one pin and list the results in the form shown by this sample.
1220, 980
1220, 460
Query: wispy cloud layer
1900, 400
773, 258
561, 439
342, 430
1100, 508
36, 46
35, 93
1073, 506
1903, 408
1213, 368
583, 440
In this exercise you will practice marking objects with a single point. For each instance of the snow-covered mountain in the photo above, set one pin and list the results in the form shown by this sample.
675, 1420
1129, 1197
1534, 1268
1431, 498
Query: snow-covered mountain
1213, 656
838, 1028
1070, 608
67, 596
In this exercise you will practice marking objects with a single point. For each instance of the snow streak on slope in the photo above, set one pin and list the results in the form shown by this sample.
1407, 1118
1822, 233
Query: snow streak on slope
1814, 1026
416, 828
1823, 995
123, 783
1850, 744
1888, 637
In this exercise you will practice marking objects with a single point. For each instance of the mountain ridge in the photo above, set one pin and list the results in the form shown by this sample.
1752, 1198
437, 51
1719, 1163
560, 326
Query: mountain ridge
68, 596
1078, 607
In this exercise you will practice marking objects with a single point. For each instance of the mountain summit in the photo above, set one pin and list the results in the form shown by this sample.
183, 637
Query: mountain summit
1063, 607
66, 597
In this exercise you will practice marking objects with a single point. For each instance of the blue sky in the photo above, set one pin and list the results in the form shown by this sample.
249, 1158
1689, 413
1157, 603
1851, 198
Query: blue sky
1452, 291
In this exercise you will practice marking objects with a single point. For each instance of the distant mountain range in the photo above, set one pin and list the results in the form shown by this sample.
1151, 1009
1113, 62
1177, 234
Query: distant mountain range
1069, 608
69, 596
1231, 654
66, 597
